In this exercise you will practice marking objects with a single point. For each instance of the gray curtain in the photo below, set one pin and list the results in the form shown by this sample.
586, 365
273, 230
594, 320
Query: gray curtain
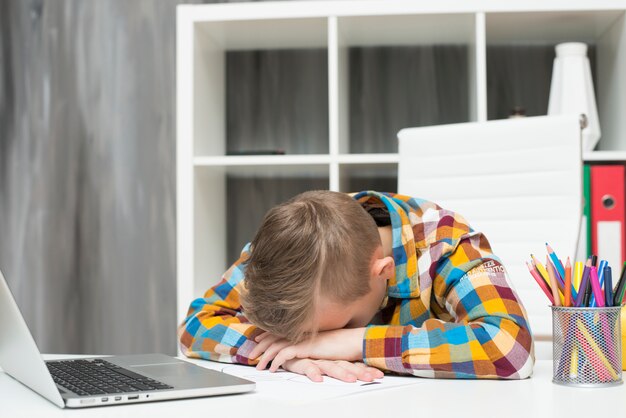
87, 152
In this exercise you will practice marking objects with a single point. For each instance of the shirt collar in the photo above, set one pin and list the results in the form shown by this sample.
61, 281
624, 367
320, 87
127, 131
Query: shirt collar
405, 282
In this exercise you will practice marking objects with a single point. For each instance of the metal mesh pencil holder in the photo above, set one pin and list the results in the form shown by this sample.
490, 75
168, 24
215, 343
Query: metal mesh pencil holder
587, 348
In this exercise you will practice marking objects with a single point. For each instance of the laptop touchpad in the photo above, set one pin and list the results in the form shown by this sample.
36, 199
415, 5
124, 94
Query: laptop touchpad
187, 375
164, 370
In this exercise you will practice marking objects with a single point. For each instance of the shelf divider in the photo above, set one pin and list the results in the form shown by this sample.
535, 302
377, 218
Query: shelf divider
338, 100
185, 245
478, 70
260, 160
611, 84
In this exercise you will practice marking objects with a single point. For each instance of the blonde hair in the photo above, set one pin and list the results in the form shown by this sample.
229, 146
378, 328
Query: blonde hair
318, 244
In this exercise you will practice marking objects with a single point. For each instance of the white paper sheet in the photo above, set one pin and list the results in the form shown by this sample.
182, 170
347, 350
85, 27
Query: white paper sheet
294, 388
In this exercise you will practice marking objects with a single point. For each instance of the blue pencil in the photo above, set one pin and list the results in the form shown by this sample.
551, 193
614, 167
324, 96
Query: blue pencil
555, 261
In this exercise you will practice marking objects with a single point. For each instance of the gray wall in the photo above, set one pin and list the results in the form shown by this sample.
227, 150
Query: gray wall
87, 171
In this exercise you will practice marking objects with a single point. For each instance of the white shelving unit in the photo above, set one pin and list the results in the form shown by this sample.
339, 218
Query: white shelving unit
206, 32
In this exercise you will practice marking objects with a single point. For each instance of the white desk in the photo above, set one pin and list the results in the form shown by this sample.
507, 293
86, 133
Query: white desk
534, 397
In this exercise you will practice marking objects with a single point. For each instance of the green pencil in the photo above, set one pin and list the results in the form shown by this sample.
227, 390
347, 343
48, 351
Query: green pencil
618, 296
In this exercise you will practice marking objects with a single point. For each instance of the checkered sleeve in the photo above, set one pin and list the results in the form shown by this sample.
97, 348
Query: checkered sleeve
477, 327
215, 328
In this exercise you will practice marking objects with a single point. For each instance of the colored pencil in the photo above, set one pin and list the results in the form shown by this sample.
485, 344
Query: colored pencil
540, 269
603, 263
588, 291
583, 284
621, 297
608, 286
559, 280
543, 273
542, 284
557, 263
572, 289
619, 290
573, 368
578, 274
568, 283
554, 285
588, 339
595, 287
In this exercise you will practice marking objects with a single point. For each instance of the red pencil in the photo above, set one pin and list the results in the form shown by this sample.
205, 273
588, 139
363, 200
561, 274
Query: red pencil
540, 282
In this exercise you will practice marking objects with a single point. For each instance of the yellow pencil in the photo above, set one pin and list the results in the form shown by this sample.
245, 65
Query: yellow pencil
573, 368
540, 268
578, 274
594, 346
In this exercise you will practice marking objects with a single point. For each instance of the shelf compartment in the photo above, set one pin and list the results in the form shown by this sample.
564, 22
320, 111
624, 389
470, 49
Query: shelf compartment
256, 85
423, 62
520, 75
358, 177
250, 195
229, 204
277, 99
527, 41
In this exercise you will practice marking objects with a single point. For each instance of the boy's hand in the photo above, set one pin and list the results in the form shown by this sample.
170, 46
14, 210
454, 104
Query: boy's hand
339, 369
267, 345
340, 344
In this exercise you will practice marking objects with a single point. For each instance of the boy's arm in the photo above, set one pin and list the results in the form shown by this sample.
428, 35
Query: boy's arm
215, 328
488, 336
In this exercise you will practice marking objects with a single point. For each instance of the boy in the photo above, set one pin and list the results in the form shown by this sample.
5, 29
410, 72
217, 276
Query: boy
397, 283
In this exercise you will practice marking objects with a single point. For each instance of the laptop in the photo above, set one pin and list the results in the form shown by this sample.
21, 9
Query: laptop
101, 381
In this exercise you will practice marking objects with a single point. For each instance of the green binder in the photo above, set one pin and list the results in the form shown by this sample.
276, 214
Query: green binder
587, 203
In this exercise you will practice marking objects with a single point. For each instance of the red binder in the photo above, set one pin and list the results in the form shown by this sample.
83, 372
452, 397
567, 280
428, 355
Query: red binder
608, 226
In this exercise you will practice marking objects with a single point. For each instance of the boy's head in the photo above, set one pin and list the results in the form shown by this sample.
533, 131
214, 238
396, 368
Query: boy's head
316, 264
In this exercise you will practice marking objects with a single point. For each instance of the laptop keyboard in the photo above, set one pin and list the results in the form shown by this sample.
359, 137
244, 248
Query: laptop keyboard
99, 377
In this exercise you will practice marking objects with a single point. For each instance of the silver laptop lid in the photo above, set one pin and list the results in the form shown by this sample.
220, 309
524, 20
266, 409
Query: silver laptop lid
19, 355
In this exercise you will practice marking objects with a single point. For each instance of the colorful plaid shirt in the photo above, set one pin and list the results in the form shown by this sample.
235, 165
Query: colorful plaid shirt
451, 312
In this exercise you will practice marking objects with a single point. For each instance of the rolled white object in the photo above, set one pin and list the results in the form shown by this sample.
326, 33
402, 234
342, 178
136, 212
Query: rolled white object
571, 89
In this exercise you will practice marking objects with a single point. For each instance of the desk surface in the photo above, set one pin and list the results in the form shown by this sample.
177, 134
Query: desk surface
536, 396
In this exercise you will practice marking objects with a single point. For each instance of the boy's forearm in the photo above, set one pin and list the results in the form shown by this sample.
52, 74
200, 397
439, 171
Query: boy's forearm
215, 327
341, 344
490, 337
452, 350
218, 338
